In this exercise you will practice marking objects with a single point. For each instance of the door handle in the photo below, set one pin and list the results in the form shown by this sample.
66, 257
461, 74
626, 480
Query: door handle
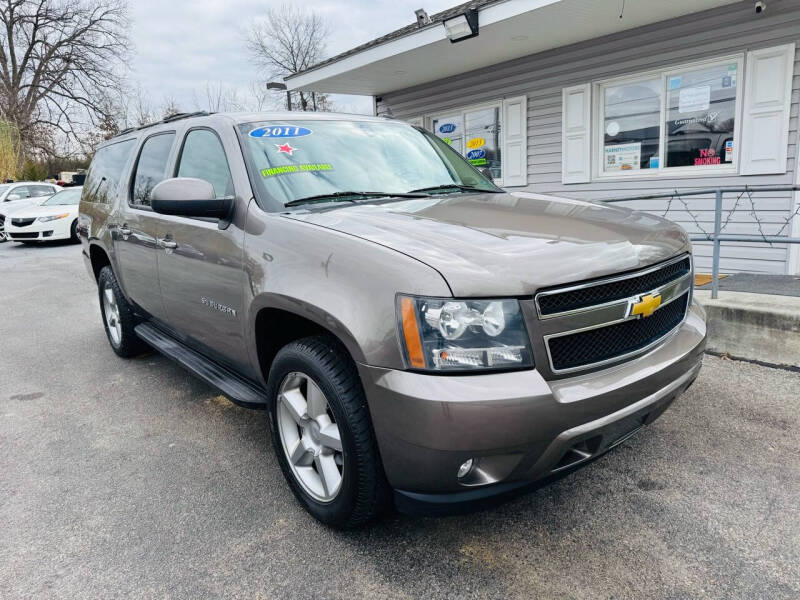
168, 244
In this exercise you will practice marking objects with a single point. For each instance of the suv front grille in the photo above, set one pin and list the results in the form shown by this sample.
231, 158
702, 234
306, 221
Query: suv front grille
615, 341
22, 222
551, 303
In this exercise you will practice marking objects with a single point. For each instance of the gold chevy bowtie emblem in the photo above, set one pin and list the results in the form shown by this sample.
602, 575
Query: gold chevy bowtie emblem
647, 305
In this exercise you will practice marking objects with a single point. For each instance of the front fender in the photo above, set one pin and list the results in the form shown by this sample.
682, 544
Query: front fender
343, 283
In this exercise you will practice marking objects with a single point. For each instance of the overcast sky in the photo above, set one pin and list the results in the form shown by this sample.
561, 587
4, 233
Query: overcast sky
182, 45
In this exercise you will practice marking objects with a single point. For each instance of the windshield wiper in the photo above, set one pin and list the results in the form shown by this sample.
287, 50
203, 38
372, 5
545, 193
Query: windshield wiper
451, 186
347, 195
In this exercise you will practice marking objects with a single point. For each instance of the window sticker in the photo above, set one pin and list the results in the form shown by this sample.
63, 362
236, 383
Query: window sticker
280, 131
623, 157
729, 151
478, 161
308, 168
708, 156
476, 143
694, 99
447, 141
653, 162
675, 82
285, 148
477, 154
447, 128
612, 129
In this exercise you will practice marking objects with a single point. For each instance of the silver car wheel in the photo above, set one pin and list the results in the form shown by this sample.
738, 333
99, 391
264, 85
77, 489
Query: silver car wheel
310, 437
111, 312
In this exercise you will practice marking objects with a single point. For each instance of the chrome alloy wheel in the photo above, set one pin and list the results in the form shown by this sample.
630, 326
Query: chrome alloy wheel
111, 312
310, 437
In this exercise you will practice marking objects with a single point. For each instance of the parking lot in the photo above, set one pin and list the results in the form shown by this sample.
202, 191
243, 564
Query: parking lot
132, 478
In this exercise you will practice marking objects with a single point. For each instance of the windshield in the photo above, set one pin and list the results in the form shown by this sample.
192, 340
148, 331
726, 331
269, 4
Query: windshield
3, 189
307, 159
70, 196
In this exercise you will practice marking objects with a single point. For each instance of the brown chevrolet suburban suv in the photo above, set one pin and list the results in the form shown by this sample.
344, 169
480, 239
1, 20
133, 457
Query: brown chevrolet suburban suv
418, 336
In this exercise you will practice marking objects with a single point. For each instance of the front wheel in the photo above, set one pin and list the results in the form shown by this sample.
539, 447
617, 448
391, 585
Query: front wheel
322, 433
73, 232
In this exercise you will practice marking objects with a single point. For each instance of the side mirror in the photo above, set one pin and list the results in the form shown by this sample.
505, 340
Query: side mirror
486, 172
189, 197
14, 197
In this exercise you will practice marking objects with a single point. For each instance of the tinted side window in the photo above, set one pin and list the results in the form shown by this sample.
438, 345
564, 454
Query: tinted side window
204, 158
41, 190
105, 172
22, 191
151, 167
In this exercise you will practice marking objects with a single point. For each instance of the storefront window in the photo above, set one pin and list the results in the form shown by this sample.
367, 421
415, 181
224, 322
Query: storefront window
696, 130
701, 113
631, 130
475, 134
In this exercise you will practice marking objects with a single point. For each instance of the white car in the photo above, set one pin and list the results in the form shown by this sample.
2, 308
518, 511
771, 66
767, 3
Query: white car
22, 193
54, 219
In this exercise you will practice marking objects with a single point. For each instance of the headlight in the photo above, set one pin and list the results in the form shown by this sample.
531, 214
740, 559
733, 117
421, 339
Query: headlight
53, 218
444, 334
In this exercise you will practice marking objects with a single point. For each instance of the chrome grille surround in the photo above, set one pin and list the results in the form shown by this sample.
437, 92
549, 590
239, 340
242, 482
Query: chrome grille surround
607, 314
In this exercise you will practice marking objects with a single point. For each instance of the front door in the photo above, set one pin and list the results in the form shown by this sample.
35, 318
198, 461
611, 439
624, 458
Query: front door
136, 239
200, 261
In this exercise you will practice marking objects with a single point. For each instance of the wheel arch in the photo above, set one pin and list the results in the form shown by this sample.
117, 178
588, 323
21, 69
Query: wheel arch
99, 258
277, 320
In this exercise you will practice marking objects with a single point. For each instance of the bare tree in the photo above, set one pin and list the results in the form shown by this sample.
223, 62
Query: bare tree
60, 62
288, 40
218, 98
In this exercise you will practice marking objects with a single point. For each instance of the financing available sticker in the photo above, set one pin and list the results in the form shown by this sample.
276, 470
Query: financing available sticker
308, 168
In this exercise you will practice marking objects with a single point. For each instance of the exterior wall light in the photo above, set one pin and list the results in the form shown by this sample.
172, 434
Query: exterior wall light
463, 26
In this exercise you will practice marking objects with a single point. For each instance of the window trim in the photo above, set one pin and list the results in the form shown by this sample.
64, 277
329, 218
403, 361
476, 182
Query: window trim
663, 74
427, 120
132, 181
177, 164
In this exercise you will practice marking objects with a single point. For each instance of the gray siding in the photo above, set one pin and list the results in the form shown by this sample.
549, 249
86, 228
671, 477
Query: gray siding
542, 77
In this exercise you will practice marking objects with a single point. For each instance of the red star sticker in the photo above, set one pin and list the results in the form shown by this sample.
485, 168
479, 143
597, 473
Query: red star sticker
285, 148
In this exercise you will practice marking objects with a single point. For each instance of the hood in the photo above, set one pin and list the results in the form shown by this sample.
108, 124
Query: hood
509, 244
35, 210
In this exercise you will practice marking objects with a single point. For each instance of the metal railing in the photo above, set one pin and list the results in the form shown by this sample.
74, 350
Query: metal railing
717, 236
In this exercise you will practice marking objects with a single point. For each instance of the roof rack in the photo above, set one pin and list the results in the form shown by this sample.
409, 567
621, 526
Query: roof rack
179, 116
169, 119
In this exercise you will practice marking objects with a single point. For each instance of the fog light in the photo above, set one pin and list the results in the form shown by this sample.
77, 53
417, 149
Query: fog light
465, 468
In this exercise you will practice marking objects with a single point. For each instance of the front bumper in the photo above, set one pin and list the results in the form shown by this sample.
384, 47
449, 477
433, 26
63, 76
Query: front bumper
519, 427
37, 231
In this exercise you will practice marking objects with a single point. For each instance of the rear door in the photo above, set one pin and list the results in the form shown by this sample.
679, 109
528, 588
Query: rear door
200, 262
136, 242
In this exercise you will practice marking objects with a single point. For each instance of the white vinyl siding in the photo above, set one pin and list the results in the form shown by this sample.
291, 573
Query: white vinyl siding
542, 78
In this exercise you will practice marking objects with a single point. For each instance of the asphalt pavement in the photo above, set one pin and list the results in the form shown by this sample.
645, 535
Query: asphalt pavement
134, 479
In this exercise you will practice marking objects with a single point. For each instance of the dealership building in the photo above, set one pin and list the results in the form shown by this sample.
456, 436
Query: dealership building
607, 98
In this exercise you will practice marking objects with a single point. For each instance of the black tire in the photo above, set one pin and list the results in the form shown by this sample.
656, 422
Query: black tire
129, 344
364, 493
73, 231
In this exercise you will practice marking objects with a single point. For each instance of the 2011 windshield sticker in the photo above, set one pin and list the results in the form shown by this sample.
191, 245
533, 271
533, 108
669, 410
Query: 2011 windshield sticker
309, 168
280, 131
